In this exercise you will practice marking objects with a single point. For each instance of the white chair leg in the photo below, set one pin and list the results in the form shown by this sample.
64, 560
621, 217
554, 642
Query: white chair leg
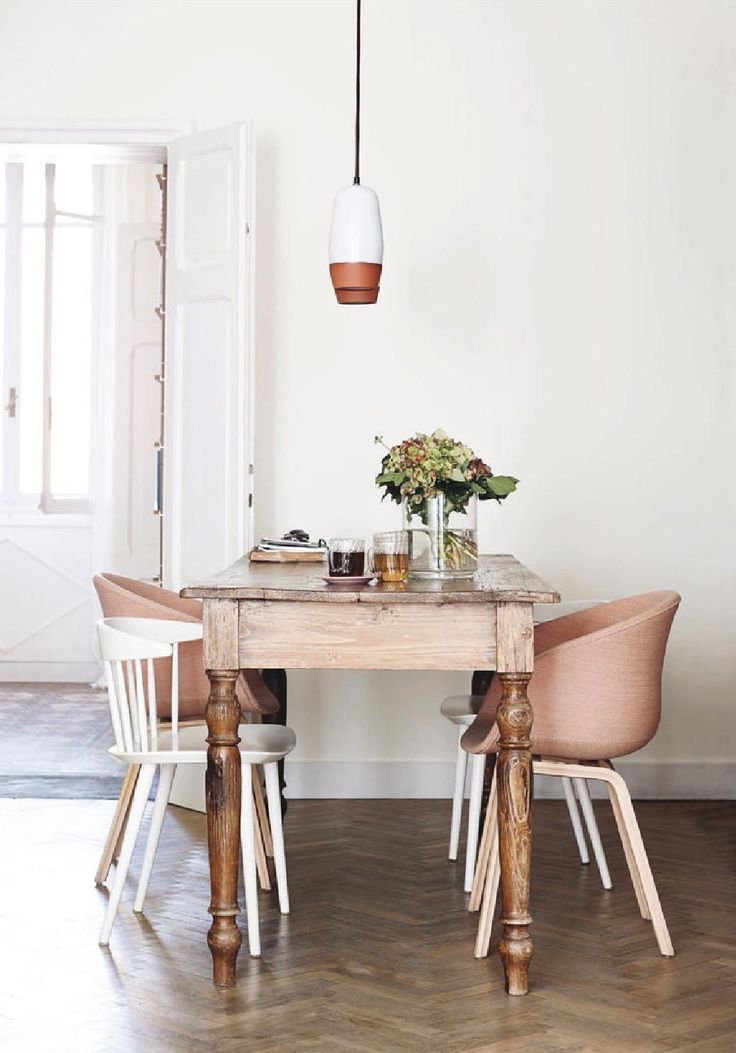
461, 764
277, 834
477, 769
642, 863
577, 826
595, 838
135, 817
490, 894
166, 778
484, 850
250, 879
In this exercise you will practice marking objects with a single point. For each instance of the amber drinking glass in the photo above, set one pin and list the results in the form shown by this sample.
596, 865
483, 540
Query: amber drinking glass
390, 555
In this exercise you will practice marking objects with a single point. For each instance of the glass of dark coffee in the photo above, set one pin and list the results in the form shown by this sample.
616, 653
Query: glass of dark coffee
346, 557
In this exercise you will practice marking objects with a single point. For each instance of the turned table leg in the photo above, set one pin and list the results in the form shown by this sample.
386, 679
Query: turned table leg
223, 822
514, 779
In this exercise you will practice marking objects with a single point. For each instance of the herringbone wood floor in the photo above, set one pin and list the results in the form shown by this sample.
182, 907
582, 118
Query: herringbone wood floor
376, 956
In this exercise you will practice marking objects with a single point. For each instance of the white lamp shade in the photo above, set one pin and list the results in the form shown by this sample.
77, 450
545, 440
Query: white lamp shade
356, 245
356, 235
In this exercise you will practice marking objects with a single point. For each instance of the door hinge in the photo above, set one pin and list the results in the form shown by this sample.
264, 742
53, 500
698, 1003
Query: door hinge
12, 402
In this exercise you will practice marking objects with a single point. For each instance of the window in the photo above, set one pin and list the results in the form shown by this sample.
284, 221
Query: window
50, 233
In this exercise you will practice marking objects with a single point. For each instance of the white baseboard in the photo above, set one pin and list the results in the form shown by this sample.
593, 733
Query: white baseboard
49, 672
647, 780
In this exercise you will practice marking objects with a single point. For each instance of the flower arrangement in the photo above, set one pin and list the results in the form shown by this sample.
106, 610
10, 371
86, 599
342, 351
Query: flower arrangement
433, 476
427, 465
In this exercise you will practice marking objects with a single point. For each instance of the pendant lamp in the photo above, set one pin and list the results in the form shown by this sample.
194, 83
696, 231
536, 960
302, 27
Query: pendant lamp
356, 237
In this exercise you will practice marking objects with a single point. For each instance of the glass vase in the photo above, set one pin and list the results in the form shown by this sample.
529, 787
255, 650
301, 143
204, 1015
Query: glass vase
443, 542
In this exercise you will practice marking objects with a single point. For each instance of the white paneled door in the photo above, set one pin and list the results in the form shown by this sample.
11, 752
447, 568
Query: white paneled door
208, 390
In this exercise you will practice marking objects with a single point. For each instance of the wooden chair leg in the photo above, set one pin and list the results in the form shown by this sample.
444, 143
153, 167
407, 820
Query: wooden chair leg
264, 878
263, 820
626, 845
121, 835
641, 859
115, 834
484, 851
490, 895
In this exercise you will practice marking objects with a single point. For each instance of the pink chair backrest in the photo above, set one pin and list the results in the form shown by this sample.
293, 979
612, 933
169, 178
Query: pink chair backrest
128, 598
597, 683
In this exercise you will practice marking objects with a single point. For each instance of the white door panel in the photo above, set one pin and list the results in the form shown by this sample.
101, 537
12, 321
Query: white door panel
145, 428
208, 387
133, 527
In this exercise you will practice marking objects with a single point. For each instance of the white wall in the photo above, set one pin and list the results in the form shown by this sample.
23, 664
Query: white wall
557, 182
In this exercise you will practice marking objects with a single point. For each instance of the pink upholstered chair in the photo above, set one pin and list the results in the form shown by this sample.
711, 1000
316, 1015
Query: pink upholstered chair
597, 694
122, 597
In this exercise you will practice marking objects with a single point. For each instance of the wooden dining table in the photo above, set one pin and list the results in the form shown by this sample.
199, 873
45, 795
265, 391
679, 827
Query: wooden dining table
284, 616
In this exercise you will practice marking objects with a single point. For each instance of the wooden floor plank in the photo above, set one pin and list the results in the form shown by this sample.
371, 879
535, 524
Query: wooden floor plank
377, 954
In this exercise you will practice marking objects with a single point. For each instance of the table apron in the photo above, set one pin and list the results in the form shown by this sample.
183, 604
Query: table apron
303, 635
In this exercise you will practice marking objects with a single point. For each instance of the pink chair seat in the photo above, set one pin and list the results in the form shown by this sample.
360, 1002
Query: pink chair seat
596, 690
128, 598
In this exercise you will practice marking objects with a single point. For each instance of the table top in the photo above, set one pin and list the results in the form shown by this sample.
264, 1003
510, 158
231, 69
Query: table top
500, 579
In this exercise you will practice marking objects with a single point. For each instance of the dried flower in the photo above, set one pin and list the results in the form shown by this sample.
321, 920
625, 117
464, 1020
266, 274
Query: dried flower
422, 466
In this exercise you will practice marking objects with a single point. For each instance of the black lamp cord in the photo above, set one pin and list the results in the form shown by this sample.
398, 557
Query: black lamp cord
356, 180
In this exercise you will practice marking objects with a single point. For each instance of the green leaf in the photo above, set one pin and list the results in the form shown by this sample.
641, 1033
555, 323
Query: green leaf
396, 478
457, 476
501, 485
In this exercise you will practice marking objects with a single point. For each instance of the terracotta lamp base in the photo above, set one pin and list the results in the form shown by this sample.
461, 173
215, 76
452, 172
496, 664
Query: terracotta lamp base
356, 282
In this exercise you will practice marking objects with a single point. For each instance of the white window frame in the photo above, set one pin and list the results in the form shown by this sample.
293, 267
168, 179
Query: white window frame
103, 143
10, 497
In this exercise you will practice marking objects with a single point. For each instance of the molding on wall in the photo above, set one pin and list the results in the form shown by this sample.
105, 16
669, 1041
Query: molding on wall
647, 780
49, 672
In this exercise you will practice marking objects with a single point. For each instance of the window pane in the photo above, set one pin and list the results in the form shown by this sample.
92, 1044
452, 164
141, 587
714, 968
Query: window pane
34, 192
71, 354
30, 400
73, 189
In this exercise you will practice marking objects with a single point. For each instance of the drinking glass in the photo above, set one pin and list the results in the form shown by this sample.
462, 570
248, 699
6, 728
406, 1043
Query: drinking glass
390, 555
346, 557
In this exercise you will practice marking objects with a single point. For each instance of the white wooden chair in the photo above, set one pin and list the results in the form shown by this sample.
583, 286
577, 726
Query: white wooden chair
126, 644
461, 711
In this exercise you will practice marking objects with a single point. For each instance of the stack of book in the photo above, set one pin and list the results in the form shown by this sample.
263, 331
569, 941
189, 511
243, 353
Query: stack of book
281, 550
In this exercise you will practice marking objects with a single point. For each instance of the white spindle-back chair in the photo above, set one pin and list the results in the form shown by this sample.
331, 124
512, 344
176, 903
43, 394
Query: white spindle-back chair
128, 647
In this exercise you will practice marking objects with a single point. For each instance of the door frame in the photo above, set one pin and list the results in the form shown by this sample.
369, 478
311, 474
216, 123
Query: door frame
146, 142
